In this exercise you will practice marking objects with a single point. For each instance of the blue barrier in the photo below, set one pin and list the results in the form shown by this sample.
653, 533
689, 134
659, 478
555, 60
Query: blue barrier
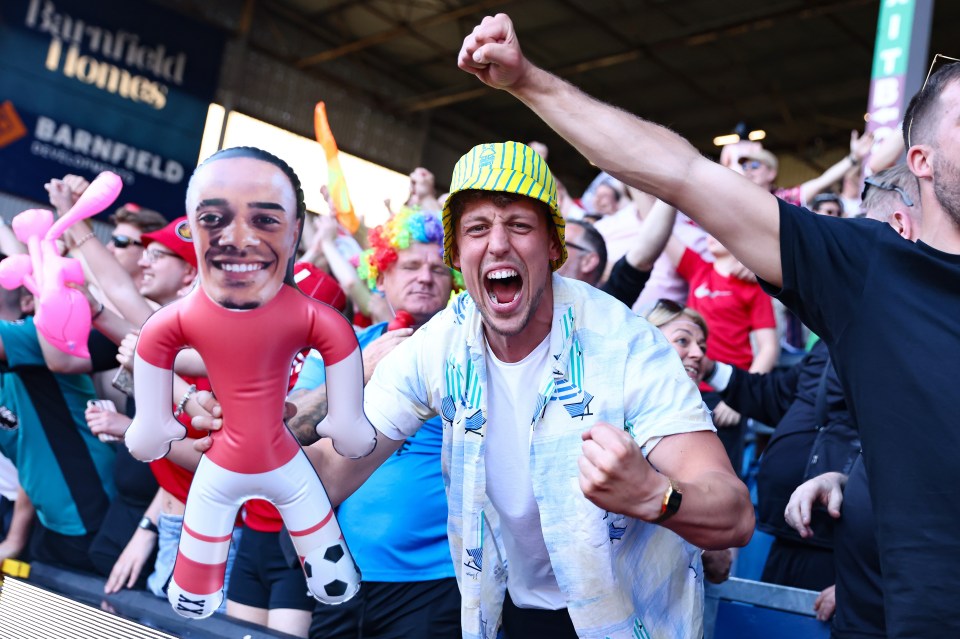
745, 609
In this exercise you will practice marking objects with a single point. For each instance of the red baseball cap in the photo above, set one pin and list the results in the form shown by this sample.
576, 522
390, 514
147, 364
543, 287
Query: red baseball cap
176, 237
321, 286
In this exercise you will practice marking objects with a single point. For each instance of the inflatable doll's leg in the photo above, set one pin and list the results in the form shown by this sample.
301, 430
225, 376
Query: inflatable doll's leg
332, 575
196, 589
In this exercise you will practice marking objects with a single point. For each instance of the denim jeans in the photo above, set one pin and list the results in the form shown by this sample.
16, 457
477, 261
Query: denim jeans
167, 543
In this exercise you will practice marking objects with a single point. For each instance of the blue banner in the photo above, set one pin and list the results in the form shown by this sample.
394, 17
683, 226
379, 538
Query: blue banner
107, 85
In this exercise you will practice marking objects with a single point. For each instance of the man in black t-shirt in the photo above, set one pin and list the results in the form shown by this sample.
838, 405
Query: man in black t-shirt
890, 196
886, 308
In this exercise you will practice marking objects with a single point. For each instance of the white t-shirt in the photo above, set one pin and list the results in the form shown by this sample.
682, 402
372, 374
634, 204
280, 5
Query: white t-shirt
530, 578
8, 479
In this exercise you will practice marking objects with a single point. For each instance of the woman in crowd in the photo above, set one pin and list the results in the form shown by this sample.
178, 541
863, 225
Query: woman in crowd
686, 330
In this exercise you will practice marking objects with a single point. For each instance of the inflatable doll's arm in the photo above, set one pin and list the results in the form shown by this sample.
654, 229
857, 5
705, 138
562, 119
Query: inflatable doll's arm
345, 424
154, 427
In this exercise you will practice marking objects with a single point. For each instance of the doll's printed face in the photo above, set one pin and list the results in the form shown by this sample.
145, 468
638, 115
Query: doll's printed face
243, 212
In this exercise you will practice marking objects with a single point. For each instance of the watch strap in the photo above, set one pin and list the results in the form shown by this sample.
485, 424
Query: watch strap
146, 524
671, 502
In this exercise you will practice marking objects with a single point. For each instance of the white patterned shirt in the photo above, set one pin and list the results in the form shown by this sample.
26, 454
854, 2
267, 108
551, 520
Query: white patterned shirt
622, 578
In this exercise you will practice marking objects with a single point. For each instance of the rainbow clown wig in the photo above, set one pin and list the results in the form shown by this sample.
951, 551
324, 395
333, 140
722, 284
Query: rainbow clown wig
397, 233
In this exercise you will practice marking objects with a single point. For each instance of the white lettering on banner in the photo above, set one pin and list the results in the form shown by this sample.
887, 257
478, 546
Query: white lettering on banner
886, 92
98, 148
889, 58
886, 114
120, 47
893, 28
78, 161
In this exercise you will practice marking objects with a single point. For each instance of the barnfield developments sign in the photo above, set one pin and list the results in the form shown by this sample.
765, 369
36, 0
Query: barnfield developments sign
105, 85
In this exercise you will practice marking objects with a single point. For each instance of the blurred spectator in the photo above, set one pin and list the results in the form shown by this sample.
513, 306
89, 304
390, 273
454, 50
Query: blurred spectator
760, 167
686, 330
409, 586
587, 260
130, 223
64, 469
829, 204
423, 190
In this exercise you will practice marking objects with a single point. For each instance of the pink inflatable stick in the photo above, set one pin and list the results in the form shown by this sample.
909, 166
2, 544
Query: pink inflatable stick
101, 193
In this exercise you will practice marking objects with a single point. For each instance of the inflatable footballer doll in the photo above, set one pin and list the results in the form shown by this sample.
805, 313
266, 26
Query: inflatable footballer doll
248, 320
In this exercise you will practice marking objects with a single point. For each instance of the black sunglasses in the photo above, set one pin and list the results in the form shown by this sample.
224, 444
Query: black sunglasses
123, 241
579, 247
885, 186
668, 305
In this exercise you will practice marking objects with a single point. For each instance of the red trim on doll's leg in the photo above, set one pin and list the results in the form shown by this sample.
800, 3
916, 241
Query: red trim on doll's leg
313, 529
197, 577
207, 538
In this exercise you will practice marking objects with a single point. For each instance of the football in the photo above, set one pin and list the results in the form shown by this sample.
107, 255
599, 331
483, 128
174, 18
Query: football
332, 575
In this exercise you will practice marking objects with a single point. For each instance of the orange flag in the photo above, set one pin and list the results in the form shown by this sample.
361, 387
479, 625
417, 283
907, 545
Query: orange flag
335, 182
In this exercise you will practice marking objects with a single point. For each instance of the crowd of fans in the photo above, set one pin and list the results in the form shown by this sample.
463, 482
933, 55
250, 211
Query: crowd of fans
73, 496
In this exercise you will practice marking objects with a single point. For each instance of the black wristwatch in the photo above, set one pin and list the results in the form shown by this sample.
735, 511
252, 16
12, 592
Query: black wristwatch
146, 524
671, 502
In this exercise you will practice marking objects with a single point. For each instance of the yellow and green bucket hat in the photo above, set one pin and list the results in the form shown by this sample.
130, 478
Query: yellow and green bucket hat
505, 167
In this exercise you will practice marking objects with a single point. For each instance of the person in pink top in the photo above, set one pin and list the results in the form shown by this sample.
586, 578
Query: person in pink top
248, 320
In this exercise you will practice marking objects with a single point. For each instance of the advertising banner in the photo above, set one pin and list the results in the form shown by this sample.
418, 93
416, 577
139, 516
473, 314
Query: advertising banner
107, 85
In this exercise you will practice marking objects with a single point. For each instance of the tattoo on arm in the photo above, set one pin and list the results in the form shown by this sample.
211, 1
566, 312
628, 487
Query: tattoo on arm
311, 409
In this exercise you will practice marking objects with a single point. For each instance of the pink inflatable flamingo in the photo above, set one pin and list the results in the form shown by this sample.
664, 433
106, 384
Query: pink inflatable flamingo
63, 314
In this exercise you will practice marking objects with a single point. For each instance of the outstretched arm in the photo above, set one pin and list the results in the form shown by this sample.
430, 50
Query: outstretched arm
743, 216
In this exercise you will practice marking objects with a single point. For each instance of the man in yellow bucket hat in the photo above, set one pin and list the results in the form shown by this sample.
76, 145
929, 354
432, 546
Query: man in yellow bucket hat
553, 397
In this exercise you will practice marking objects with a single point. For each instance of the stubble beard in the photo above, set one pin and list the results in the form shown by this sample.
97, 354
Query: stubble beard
946, 187
488, 322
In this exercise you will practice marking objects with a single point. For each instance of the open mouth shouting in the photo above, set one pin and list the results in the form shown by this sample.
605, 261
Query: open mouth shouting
503, 287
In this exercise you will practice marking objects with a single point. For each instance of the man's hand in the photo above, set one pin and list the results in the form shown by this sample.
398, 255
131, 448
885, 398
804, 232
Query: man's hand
826, 603
63, 194
615, 476
492, 53
380, 348
826, 489
213, 419
716, 565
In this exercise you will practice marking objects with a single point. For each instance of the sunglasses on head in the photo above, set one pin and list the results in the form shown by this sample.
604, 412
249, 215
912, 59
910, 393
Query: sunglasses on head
668, 305
938, 61
885, 186
123, 241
